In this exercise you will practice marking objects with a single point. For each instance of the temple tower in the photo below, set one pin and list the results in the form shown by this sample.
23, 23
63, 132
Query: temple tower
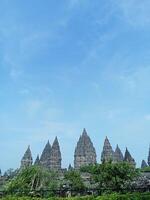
149, 157
46, 156
118, 156
128, 158
143, 164
27, 159
85, 153
55, 156
107, 153
37, 161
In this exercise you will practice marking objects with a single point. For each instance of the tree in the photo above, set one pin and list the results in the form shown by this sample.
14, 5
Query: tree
33, 178
112, 176
74, 180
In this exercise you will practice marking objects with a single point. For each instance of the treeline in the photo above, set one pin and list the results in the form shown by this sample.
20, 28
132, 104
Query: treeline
95, 179
136, 196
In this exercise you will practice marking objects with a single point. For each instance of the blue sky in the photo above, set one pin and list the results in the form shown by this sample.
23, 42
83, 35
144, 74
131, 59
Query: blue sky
70, 64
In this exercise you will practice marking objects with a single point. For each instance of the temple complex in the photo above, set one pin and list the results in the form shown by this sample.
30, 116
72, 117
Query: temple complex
85, 154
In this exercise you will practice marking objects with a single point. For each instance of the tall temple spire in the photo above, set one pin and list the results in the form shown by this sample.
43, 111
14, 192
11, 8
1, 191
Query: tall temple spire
149, 156
27, 159
46, 155
107, 153
85, 153
118, 156
55, 158
128, 158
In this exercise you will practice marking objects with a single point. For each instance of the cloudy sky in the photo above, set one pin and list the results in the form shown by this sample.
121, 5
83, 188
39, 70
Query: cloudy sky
70, 64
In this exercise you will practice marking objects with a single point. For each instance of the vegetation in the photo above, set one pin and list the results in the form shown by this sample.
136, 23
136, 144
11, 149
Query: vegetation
74, 180
146, 169
32, 179
135, 196
106, 178
111, 177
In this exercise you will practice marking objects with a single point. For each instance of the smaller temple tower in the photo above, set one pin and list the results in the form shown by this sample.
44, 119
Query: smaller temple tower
27, 159
149, 157
143, 164
118, 156
46, 156
107, 153
37, 161
55, 156
128, 158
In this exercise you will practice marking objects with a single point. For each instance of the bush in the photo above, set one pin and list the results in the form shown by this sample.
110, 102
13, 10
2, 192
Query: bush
135, 196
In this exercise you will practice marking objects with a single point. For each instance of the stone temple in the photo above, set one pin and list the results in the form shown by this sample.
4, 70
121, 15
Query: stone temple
144, 163
84, 154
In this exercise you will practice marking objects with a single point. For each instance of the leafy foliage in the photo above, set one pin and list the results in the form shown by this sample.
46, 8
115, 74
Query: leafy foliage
136, 196
145, 169
112, 176
33, 178
74, 180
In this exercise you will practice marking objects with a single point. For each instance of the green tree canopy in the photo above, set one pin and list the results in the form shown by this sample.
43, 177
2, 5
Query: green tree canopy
33, 178
112, 176
74, 180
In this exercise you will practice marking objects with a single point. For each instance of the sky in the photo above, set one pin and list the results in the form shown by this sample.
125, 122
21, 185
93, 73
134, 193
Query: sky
66, 65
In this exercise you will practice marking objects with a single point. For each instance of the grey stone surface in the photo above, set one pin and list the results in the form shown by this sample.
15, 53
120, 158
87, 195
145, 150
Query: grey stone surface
149, 157
70, 168
107, 153
27, 159
118, 156
128, 158
55, 156
144, 164
37, 161
46, 156
85, 153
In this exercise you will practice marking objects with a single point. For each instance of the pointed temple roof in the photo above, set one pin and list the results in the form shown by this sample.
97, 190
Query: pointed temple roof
70, 168
27, 155
149, 157
107, 153
85, 153
56, 147
84, 145
55, 160
37, 161
143, 164
129, 158
118, 156
46, 152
